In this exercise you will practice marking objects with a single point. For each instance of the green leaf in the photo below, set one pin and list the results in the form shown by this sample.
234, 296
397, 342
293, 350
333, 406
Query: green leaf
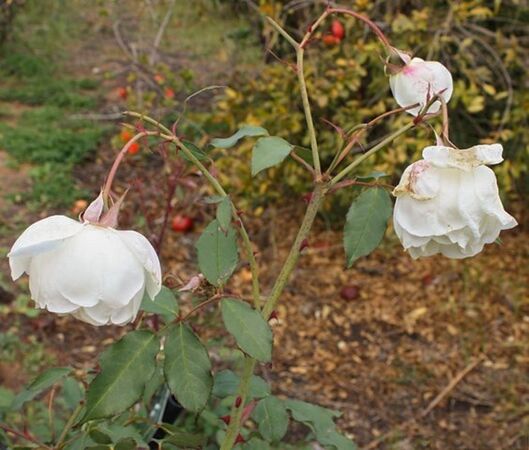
321, 421
374, 175
224, 213
246, 131
80, 442
366, 223
126, 444
100, 437
251, 331
197, 153
125, 368
187, 368
43, 381
271, 417
153, 385
256, 444
164, 304
182, 438
227, 383
268, 152
6, 399
72, 392
217, 253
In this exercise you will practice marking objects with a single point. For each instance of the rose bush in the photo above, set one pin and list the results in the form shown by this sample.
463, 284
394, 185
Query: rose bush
448, 203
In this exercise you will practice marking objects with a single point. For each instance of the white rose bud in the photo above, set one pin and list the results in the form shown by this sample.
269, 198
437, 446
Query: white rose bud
96, 273
449, 203
417, 81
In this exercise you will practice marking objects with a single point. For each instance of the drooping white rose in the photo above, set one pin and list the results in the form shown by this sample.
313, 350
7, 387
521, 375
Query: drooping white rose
96, 273
449, 203
417, 81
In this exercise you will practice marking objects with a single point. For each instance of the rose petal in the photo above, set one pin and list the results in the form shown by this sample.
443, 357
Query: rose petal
146, 255
40, 237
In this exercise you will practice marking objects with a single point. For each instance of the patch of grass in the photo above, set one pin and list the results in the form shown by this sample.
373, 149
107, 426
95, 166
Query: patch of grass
45, 135
51, 141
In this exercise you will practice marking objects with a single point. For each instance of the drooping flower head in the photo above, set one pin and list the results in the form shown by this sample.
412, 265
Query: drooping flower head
87, 268
416, 81
449, 202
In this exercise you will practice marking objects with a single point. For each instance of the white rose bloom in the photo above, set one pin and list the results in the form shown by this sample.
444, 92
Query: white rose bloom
449, 203
97, 274
418, 81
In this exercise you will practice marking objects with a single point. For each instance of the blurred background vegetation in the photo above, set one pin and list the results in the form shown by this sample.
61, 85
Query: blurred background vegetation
483, 43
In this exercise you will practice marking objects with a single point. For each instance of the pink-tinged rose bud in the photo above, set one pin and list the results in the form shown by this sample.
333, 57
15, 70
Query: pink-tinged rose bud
417, 81
97, 274
449, 203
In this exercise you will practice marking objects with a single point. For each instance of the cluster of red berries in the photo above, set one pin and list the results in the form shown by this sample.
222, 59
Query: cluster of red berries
336, 35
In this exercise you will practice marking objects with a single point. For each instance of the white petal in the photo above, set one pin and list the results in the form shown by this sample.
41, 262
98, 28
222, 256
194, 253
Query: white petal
40, 237
489, 197
128, 313
144, 251
96, 266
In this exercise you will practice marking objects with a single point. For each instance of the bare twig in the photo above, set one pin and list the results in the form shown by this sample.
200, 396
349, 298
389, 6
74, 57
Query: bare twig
159, 34
450, 386
300, 160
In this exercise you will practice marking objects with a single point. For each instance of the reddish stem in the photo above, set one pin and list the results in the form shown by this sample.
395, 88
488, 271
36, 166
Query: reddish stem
117, 162
26, 436
200, 306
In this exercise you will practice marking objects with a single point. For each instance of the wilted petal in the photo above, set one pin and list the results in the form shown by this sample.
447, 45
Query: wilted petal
443, 157
462, 215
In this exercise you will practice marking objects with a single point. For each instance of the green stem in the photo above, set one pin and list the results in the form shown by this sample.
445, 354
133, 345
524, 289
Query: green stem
236, 411
283, 32
68, 426
308, 113
292, 258
300, 52
271, 302
371, 151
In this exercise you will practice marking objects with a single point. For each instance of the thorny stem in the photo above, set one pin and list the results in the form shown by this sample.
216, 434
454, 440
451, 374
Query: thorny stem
271, 302
310, 214
236, 411
445, 133
358, 131
300, 51
308, 113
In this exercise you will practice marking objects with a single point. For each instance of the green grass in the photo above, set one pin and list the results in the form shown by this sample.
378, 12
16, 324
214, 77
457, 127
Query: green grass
38, 102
